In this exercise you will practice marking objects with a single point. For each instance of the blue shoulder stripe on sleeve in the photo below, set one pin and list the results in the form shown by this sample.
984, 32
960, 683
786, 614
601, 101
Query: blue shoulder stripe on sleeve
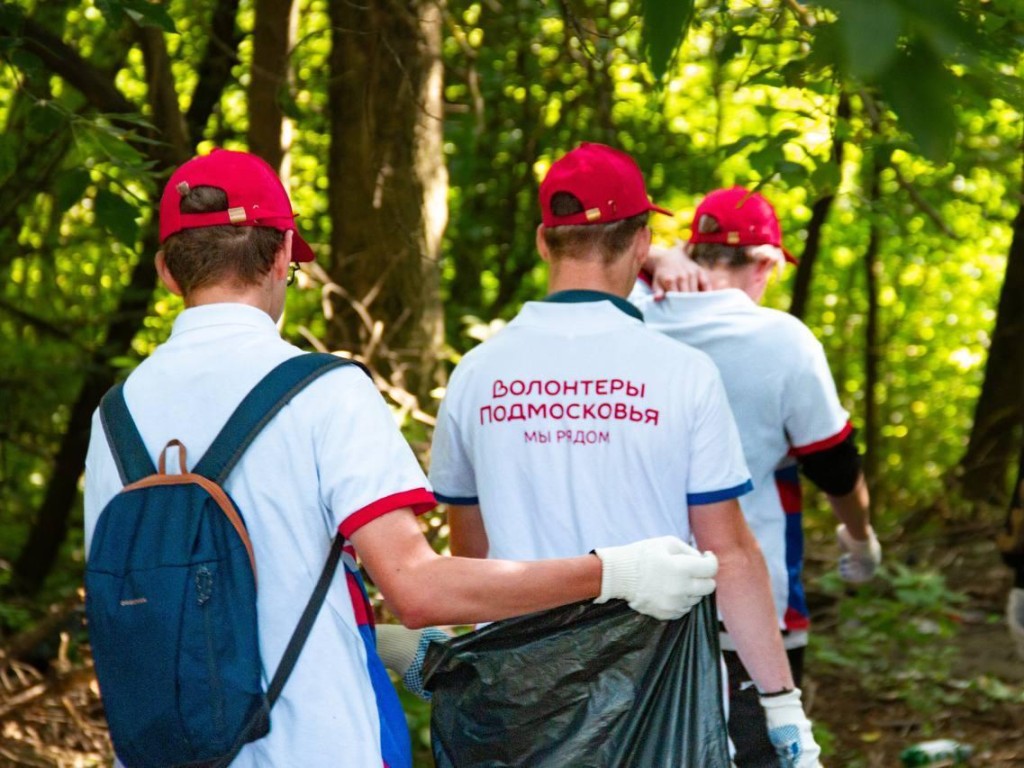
710, 497
459, 501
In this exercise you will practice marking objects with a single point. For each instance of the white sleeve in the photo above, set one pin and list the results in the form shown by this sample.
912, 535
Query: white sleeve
451, 470
718, 471
813, 417
366, 467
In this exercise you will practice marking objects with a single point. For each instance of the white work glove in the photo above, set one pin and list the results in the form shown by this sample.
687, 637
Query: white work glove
1015, 619
790, 731
859, 559
403, 650
660, 577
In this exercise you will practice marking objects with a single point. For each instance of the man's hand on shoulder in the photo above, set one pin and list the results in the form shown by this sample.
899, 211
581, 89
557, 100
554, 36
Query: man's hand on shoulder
672, 270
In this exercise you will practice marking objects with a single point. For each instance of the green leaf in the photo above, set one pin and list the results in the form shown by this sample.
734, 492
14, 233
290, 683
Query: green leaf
117, 216
11, 20
825, 177
920, 91
869, 32
942, 26
8, 155
147, 14
738, 146
70, 187
730, 46
794, 173
827, 51
112, 10
27, 62
109, 144
765, 160
665, 25
286, 100
44, 119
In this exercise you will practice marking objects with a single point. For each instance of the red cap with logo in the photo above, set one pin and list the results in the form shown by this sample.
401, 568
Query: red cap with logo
256, 197
742, 217
606, 181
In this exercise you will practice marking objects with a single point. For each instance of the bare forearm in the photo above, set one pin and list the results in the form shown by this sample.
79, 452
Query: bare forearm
423, 588
852, 509
747, 608
744, 592
459, 590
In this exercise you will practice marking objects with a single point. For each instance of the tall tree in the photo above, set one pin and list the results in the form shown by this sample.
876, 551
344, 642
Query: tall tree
273, 35
387, 187
872, 342
819, 215
999, 414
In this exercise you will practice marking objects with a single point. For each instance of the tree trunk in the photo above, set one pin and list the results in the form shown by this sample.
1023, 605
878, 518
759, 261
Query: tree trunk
387, 187
214, 71
272, 37
872, 352
819, 214
1011, 539
999, 413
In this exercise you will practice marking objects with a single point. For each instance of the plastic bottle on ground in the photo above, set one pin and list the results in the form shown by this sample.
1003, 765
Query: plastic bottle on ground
939, 752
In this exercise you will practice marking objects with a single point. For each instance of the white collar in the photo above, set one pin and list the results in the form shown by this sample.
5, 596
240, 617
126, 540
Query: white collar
209, 315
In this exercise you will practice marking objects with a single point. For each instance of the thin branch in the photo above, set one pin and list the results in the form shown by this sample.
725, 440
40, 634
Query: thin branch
40, 324
803, 15
215, 69
96, 86
926, 208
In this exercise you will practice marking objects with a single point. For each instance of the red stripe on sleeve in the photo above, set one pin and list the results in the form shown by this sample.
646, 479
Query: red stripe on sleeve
789, 496
421, 500
360, 608
821, 445
795, 621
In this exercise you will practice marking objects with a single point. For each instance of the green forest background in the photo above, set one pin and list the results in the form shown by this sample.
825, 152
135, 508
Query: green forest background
412, 135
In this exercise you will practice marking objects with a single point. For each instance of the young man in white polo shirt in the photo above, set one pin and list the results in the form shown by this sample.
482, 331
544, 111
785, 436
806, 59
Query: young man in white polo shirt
576, 427
787, 410
331, 460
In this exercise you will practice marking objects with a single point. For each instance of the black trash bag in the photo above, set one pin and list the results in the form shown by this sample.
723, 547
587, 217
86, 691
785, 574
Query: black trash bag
582, 686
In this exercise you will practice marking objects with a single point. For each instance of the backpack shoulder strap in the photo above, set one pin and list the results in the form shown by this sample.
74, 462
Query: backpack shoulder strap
130, 454
291, 652
256, 410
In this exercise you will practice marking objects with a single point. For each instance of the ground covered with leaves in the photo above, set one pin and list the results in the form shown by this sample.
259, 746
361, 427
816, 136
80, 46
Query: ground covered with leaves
921, 653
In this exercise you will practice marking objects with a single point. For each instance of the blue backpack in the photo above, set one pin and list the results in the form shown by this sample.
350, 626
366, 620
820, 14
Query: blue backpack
171, 592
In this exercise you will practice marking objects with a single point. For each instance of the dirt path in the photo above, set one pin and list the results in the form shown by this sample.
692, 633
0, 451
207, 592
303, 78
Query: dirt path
985, 687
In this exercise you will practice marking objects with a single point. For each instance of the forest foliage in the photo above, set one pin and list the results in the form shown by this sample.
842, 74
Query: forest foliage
906, 120
888, 135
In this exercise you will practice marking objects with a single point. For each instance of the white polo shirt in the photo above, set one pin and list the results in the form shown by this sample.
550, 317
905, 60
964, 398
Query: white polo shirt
577, 427
785, 403
331, 459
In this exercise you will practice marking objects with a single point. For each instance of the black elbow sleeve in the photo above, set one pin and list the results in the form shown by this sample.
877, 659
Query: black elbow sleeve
835, 469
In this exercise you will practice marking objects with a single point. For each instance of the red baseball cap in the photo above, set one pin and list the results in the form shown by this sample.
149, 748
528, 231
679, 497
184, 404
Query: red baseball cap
743, 218
256, 197
607, 181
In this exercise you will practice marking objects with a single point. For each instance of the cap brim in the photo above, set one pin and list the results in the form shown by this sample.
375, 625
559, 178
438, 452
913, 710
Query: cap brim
659, 209
789, 256
300, 249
